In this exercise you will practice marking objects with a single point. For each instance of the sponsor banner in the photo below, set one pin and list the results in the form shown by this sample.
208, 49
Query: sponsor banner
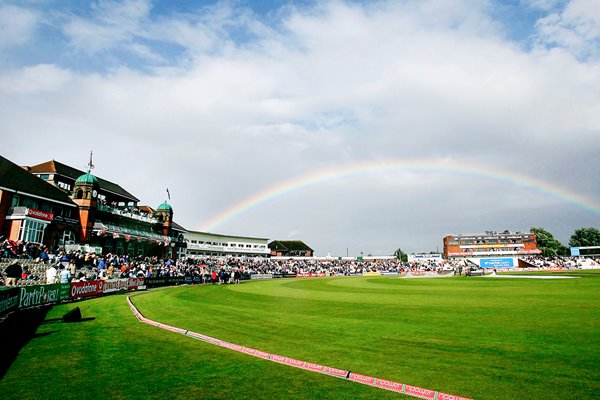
424, 257
43, 294
115, 285
419, 392
163, 281
444, 396
86, 289
197, 279
364, 379
497, 262
260, 354
234, 346
480, 253
277, 358
389, 273
135, 284
314, 367
371, 273
277, 276
493, 246
294, 363
261, 276
336, 372
39, 214
189, 280
311, 275
389, 385
9, 300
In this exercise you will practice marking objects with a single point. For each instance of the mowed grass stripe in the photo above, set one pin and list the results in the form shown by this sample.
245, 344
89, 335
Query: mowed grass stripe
115, 356
479, 337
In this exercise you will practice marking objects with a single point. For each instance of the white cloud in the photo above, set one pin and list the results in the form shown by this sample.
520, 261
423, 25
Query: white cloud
114, 24
17, 25
575, 28
34, 80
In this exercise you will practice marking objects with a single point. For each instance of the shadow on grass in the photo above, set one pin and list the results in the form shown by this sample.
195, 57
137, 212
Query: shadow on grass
55, 320
15, 332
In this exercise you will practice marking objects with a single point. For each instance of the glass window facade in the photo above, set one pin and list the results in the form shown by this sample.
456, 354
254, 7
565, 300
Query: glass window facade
31, 231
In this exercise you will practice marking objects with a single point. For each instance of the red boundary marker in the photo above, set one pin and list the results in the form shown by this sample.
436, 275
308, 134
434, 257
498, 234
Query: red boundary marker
392, 386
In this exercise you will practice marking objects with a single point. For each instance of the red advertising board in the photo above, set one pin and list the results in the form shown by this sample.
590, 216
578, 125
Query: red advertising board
294, 363
135, 284
444, 396
314, 367
336, 372
86, 289
419, 392
278, 358
39, 214
311, 275
389, 385
364, 379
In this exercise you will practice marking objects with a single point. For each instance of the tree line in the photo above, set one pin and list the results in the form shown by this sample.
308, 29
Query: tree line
551, 246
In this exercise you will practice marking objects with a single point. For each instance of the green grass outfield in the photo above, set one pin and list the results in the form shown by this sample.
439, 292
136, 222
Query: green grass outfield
485, 338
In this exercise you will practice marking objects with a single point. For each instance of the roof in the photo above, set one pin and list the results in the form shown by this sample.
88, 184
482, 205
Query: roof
57, 167
87, 178
147, 209
164, 206
15, 178
176, 227
289, 245
192, 233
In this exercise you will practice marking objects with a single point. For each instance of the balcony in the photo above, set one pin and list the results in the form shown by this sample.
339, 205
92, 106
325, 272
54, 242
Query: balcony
128, 213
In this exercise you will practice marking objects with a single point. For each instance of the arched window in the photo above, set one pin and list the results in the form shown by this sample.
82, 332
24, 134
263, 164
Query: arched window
79, 194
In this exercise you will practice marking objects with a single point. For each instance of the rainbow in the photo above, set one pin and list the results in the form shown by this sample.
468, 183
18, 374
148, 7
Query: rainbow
385, 166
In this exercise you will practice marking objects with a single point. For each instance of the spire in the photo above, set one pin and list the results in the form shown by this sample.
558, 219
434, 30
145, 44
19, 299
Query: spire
90, 164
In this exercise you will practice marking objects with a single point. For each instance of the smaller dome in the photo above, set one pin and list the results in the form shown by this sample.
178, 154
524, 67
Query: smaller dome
165, 207
87, 178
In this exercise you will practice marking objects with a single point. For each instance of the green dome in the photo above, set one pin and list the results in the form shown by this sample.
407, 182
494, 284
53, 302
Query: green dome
165, 207
87, 178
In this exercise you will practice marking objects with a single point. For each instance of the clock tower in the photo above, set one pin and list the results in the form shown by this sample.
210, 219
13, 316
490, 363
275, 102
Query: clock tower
85, 195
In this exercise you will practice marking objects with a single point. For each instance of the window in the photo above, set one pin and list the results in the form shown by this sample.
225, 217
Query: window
15, 200
63, 185
30, 203
45, 176
68, 238
31, 231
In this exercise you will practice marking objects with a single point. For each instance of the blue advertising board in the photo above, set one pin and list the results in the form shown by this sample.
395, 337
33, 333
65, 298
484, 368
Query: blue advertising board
496, 263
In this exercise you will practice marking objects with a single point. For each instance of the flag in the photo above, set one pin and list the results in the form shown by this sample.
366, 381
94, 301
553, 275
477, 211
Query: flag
168, 194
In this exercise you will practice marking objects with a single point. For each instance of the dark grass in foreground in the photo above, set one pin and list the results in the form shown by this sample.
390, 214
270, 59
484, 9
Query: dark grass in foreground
484, 338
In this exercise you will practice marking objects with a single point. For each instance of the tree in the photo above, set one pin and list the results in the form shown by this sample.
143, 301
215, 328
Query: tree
585, 237
400, 255
548, 244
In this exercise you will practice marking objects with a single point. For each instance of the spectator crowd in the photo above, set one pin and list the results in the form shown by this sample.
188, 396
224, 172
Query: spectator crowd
55, 265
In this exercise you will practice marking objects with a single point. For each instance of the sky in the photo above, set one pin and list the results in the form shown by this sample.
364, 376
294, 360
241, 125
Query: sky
359, 127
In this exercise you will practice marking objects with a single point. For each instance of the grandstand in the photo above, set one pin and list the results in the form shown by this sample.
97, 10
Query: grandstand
492, 250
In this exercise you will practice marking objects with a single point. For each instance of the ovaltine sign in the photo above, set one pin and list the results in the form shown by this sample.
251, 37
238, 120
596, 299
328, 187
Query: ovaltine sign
47, 216
86, 289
